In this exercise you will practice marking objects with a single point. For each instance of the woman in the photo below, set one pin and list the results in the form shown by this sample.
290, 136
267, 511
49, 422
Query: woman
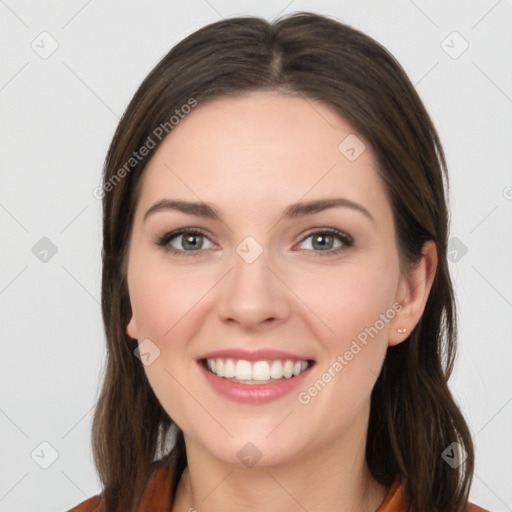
279, 313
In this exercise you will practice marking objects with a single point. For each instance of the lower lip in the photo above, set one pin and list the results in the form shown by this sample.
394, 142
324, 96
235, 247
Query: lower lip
253, 393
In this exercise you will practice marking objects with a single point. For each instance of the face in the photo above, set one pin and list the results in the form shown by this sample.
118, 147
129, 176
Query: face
257, 283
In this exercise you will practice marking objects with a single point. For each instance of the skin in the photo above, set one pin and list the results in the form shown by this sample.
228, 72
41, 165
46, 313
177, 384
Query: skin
250, 156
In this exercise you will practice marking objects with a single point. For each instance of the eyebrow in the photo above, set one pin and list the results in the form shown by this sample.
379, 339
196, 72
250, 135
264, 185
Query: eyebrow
300, 209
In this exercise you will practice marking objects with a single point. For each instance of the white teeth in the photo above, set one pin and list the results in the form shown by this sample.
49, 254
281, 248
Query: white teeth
243, 370
256, 371
229, 369
288, 369
219, 367
276, 370
261, 371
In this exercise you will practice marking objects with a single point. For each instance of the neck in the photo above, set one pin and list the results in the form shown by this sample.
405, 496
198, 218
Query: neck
329, 477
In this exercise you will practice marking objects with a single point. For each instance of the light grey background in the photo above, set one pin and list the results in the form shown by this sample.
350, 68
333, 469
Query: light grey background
59, 113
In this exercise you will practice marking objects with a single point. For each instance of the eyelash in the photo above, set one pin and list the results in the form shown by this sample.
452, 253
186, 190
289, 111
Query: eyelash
164, 241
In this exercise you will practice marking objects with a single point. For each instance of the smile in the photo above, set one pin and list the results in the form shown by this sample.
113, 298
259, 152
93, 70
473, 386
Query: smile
255, 372
255, 382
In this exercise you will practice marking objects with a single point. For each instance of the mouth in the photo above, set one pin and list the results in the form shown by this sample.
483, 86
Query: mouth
253, 373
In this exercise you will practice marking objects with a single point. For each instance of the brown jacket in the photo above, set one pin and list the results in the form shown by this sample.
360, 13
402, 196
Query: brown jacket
157, 497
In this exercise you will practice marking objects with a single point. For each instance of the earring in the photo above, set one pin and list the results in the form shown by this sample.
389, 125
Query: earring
401, 331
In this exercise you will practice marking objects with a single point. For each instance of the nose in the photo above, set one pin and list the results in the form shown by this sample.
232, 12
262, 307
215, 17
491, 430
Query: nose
253, 295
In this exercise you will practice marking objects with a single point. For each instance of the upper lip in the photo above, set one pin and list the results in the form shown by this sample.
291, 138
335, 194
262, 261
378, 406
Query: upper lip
254, 355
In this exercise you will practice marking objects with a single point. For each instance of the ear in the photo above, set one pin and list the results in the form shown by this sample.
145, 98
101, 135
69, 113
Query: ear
412, 293
131, 328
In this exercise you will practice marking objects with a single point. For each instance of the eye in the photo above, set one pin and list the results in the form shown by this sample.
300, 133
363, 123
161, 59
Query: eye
189, 242
184, 241
324, 241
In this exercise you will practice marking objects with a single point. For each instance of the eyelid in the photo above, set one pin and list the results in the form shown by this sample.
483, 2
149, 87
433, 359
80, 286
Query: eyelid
331, 231
346, 239
164, 241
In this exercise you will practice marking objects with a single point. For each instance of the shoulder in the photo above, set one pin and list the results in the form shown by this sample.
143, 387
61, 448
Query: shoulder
475, 508
396, 501
157, 495
90, 505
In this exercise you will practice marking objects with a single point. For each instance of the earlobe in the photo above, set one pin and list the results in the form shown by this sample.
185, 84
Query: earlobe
413, 292
131, 328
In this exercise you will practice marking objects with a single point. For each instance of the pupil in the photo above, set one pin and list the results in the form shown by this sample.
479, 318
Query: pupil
191, 245
321, 237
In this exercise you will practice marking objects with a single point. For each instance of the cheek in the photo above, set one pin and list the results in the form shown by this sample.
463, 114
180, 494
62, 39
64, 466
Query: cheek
351, 302
162, 297
165, 303
353, 311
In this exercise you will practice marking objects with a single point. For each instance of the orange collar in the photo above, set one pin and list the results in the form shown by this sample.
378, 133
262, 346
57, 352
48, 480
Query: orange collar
395, 500
158, 498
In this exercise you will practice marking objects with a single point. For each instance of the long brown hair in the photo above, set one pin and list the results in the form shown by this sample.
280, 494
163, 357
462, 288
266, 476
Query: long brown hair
413, 416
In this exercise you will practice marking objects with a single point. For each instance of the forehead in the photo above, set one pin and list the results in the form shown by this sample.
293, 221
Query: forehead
262, 148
